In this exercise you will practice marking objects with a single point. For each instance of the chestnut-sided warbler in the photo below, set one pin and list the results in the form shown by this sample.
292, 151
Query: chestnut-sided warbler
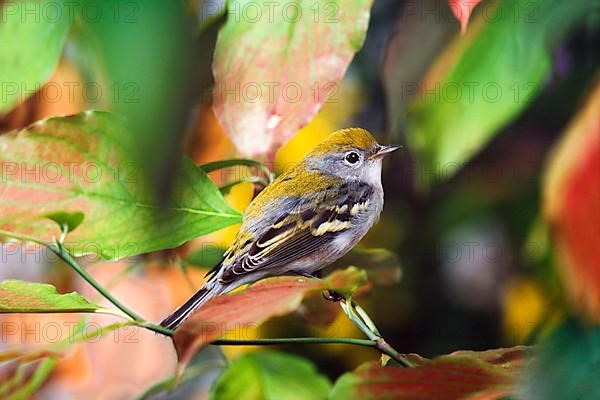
310, 216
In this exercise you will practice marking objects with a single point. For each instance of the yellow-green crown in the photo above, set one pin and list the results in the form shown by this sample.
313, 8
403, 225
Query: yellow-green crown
346, 139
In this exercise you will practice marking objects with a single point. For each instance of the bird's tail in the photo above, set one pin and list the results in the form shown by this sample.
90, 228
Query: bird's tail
200, 297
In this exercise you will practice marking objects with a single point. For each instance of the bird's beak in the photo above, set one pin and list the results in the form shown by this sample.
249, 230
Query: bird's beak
384, 150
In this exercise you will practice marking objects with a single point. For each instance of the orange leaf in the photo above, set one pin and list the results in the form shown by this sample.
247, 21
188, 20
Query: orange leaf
462, 10
252, 306
572, 206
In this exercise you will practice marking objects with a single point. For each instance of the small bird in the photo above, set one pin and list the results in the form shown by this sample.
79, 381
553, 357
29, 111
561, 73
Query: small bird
311, 215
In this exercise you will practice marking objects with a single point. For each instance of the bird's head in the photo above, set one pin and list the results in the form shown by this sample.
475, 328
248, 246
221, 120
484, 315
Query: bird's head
350, 154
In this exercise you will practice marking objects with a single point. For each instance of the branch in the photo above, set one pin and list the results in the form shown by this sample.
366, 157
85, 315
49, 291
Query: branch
353, 310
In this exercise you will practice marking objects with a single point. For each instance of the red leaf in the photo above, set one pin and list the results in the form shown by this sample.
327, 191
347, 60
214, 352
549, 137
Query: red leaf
461, 375
572, 206
252, 306
462, 10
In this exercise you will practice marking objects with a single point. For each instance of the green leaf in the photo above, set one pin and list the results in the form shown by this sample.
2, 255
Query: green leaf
79, 164
486, 78
265, 94
66, 221
131, 41
32, 41
32, 297
568, 364
270, 376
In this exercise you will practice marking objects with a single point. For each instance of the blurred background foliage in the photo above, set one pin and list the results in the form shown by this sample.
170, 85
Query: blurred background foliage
492, 209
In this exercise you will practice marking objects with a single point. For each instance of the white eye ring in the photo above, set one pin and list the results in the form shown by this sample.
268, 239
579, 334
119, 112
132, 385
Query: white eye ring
352, 157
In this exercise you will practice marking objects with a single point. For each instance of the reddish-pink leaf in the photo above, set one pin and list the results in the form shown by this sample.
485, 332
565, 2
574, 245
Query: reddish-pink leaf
462, 10
275, 69
248, 308
572, 206
463, 375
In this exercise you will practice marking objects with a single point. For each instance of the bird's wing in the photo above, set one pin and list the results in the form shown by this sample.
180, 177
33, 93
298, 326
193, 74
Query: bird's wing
300, 232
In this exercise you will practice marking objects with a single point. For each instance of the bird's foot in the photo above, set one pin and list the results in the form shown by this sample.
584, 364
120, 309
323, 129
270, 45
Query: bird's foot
332, 295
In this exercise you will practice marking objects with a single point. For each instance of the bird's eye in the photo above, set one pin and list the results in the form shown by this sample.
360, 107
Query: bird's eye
352, 157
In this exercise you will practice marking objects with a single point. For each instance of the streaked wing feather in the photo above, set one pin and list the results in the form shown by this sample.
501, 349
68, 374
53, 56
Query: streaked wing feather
295, 244
301, 232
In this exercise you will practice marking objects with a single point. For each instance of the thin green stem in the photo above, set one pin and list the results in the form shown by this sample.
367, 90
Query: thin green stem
362, 320
60, 251
297, 340
266, 341
155, 328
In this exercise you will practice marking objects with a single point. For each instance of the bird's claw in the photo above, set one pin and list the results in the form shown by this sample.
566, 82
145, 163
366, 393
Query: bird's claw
331, 295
